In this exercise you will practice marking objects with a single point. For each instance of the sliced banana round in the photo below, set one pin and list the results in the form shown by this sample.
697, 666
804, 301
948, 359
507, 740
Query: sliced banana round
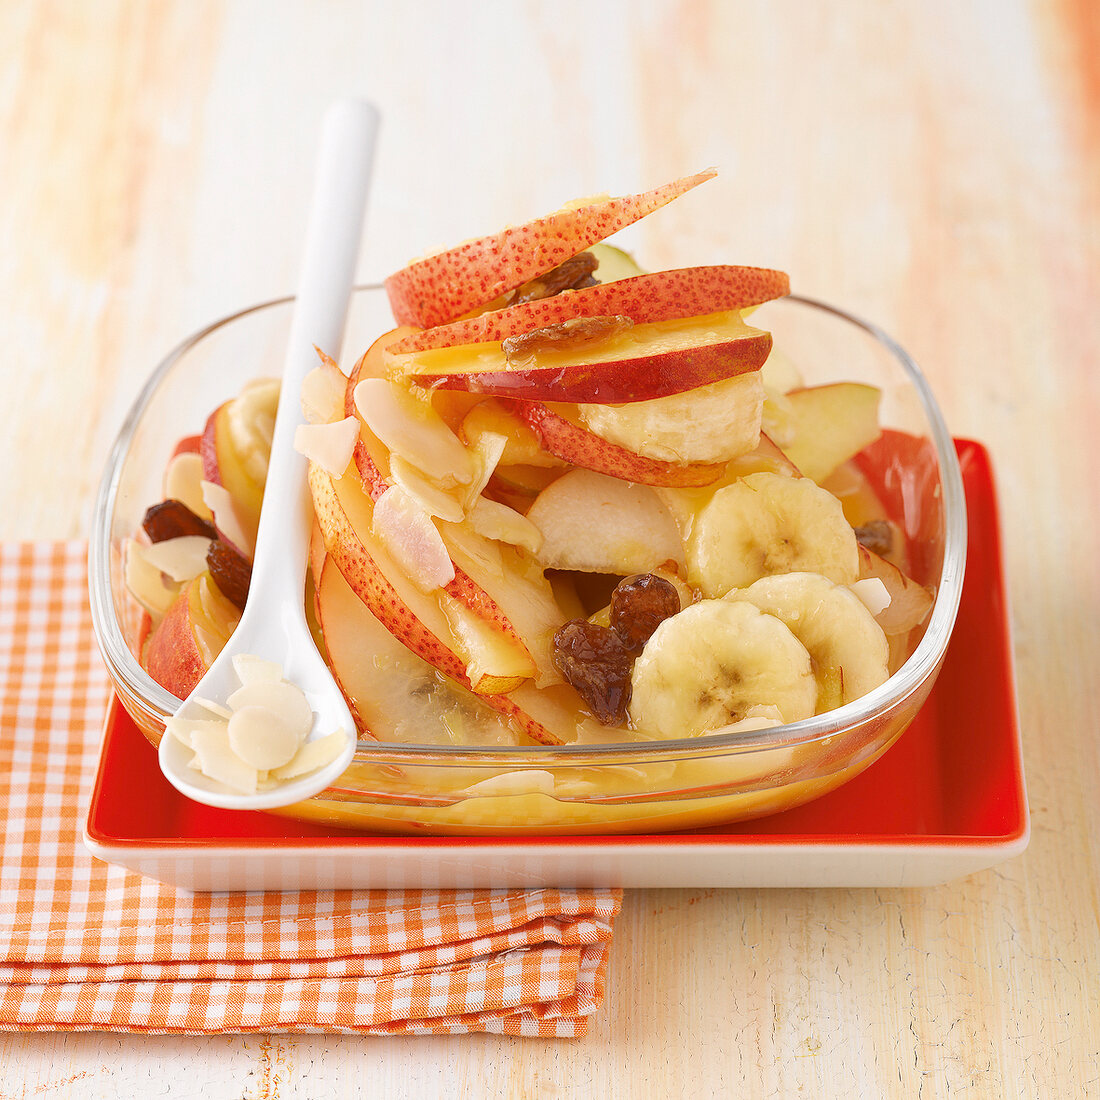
765, 524
848, 648
251, 421
715, 663
711, 423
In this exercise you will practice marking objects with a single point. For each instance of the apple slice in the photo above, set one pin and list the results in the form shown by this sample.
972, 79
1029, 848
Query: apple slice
909, 602
598, 524
644, 299
766, 457
442, 287
185, 642
643, 362
189, 444
827, 425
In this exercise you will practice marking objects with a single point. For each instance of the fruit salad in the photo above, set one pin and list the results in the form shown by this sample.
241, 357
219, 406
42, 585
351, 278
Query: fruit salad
564, 500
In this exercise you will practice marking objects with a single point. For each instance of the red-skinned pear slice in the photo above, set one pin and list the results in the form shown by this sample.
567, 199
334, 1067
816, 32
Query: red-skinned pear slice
397, 696
637, 363
577, 445
415, 618
440, 288
645, 299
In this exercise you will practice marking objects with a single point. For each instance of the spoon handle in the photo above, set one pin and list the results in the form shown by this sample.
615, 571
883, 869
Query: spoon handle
328, 268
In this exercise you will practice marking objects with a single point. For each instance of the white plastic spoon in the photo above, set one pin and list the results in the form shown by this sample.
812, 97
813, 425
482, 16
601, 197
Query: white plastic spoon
273, 625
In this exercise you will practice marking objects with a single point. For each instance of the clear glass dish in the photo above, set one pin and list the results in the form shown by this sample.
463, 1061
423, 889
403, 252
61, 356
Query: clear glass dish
636, 787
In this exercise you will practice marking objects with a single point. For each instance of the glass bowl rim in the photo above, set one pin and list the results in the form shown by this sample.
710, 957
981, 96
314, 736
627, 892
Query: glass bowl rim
921, 663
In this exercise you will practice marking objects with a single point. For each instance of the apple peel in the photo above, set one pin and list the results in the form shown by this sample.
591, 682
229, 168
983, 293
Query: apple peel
439, 288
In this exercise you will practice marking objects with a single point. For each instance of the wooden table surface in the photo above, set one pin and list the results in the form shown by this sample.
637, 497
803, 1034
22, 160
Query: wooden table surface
935, 166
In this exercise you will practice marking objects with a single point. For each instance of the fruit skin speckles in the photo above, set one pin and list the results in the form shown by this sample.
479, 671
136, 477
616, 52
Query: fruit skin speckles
439, 288
644, 299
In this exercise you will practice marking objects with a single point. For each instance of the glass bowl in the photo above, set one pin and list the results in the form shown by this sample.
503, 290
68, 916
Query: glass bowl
651, 786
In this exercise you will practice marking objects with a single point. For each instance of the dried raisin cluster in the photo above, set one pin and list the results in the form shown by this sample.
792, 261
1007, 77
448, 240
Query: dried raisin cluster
597, 660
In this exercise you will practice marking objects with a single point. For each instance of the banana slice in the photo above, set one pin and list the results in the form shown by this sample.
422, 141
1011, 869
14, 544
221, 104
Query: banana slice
764, 524
251, 422
848, 648
711, 423
715, 663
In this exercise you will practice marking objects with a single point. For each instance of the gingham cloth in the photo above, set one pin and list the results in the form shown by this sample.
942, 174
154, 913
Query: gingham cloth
84, 945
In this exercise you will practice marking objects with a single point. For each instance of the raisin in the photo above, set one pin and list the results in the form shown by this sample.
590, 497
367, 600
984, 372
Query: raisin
574, 333
231, 570
594, 661
172, 519
574, 273
639, 605
876, 536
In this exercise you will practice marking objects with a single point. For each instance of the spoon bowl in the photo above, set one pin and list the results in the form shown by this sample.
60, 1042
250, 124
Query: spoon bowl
273, 625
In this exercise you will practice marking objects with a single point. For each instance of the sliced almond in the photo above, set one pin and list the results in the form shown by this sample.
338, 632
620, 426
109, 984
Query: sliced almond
284, 700
183, 481
215, 758
496, 521
409, 534
323, 394
226, 518
260, 738
329, 445
181, 558
311, 756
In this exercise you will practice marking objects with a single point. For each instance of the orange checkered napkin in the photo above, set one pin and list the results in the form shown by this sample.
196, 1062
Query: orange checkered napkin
84, 945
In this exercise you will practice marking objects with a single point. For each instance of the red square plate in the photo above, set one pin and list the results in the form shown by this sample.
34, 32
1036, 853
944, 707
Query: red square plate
947, 800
